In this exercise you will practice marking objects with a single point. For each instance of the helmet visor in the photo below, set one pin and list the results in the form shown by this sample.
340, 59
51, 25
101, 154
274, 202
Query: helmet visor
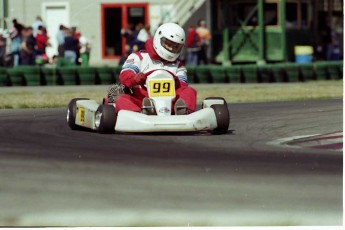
171, 46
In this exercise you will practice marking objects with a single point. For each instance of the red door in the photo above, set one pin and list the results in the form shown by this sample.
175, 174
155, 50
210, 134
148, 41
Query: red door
115, 17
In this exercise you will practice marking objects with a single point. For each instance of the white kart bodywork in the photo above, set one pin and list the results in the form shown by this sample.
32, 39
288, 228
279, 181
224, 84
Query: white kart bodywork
128, 121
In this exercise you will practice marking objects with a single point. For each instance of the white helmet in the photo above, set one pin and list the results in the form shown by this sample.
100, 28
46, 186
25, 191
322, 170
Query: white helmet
168, 41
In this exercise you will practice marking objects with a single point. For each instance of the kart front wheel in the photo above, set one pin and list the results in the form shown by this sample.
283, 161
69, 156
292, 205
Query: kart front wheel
72, 112
105, 119
223, 118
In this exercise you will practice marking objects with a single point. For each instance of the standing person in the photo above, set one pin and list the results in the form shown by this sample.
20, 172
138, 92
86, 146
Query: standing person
35, 26
16, 39
205, 37
2, 49
42, 40
70, 47
27, 47
193, 46
161, 52
143, 35
133, 46
85, 49
60, 38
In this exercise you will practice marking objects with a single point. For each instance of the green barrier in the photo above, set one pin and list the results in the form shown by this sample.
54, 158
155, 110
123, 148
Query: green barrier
116, 72
105, 76
191, 75
4, 79
234, 74
49, 75
335, 69
87, 75
250, 73
63, 62
203, 75
265, 74
278, 73
292, 72
31, 74
218, 74
16, 77
307, 72
67, 76
321, 70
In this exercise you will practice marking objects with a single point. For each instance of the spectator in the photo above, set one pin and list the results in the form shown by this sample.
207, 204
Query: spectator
127, 33
2, 49
193, 46
16, 39
134, 38
76, 35
143, 35
27, 47
85, 49
205, 37
42, 40
70, 47
35, 26
60, 37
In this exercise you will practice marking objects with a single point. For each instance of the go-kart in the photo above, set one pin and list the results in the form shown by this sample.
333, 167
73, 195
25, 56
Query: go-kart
214, 115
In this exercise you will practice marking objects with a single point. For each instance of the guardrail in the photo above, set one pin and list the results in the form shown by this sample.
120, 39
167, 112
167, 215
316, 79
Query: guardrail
284, 72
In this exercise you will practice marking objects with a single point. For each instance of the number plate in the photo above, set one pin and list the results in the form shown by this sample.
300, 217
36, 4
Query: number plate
81, 115
162, 88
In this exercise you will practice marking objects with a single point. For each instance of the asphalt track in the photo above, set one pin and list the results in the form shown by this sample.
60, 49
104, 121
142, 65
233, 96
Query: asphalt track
53, 176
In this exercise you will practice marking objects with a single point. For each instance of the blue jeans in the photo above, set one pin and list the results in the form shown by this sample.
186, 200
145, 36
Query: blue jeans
70, 55
192, 58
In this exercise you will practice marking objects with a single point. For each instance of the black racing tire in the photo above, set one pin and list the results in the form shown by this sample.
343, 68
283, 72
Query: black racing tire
223, 118
105, 119
72, 112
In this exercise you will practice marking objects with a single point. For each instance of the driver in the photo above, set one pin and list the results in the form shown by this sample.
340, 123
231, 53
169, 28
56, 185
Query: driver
161, 52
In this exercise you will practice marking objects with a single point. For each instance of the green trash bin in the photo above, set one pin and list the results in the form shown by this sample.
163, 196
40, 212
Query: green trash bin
116, 71
31, 74
86, 75
265, 74
250, 73
16, 77
278, 73
49, 75
202, 74
292, 72
4, 79
218, 74
335, 69
67, 75
105, 76
307, 72
234, 74
191, 76
321, 70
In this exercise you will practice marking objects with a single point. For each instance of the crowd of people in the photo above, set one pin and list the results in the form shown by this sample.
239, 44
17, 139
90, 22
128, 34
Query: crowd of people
196, 47
29, 43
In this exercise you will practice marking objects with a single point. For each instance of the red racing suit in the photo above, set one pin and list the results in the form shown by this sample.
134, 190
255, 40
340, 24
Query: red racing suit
145, 61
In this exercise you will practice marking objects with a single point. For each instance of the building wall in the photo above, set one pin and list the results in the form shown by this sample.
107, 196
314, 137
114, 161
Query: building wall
86, 16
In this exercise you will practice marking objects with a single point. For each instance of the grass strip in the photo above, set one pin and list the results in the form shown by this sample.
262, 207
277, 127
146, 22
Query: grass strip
59, 96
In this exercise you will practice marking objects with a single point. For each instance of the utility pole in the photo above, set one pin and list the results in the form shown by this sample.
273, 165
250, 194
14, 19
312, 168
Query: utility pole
282, 19
261, 60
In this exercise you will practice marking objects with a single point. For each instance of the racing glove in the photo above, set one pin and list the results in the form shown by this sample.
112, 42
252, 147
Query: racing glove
140, 78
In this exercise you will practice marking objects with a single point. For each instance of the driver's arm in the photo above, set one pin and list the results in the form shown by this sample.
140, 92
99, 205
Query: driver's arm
130, 74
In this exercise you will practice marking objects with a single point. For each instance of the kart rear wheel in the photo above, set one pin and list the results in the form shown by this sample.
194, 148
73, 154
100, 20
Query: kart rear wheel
72, 112
223, 118
105, 119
